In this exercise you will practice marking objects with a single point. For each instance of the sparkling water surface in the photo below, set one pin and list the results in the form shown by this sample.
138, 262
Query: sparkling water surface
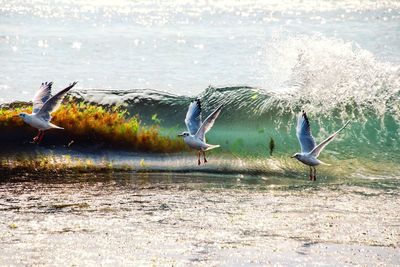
180, 47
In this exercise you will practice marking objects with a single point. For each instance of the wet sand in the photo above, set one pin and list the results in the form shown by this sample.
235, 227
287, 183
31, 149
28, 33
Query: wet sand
181, 220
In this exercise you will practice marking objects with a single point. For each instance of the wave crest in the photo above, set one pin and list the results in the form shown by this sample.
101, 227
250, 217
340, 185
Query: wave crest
325, 74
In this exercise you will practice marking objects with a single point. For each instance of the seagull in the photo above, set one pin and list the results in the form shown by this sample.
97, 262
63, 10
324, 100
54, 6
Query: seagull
43, 105
196, 136
309, 150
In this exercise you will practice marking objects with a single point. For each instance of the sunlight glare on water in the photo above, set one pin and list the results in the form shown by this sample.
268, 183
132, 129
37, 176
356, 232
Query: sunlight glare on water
180, 46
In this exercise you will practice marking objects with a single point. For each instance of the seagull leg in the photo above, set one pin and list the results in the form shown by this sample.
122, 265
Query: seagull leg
41, 137
36, 138
198, 157
315, 174
204, 157
310, 177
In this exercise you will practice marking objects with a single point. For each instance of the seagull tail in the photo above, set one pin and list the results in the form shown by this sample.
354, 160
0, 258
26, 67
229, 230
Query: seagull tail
209, 147
323, 163
56, 127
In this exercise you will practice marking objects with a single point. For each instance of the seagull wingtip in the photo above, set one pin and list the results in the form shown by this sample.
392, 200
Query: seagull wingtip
73, 84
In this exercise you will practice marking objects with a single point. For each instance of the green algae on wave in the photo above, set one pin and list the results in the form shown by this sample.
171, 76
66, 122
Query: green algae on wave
87, 124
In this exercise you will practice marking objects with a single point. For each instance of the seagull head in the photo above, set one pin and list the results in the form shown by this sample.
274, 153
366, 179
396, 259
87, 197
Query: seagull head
23, 115
184, 134
296, 156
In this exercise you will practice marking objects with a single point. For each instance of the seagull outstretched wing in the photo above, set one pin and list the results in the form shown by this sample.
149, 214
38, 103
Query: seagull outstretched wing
208, 123
303, 132
193, 116
53, 103
41, 96
317, 150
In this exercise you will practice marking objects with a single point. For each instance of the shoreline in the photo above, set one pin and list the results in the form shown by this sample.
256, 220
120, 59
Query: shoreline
143, 222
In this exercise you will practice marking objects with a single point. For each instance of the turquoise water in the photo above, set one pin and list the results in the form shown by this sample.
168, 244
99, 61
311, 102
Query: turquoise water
251, 117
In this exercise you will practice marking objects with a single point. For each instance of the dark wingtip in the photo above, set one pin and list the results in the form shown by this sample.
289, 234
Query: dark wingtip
305, 117
49, 84
69, 87
198, 102
73, 84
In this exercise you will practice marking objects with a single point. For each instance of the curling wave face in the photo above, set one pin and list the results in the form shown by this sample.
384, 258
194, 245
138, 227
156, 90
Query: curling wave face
332, 80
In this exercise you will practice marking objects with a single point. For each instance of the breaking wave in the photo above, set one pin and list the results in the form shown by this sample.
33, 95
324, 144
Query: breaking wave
333, 80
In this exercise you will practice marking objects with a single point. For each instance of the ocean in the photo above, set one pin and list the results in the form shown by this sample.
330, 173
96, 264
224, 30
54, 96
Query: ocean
264, 61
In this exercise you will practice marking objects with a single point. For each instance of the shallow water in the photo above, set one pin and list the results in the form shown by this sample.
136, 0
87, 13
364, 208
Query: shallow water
196, 220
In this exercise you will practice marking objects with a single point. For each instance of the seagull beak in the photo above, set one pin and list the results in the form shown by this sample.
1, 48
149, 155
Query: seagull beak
180, 134
292, 157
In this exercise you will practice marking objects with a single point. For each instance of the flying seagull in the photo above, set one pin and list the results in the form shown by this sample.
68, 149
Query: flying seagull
309, 150
196, 136
43, 105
